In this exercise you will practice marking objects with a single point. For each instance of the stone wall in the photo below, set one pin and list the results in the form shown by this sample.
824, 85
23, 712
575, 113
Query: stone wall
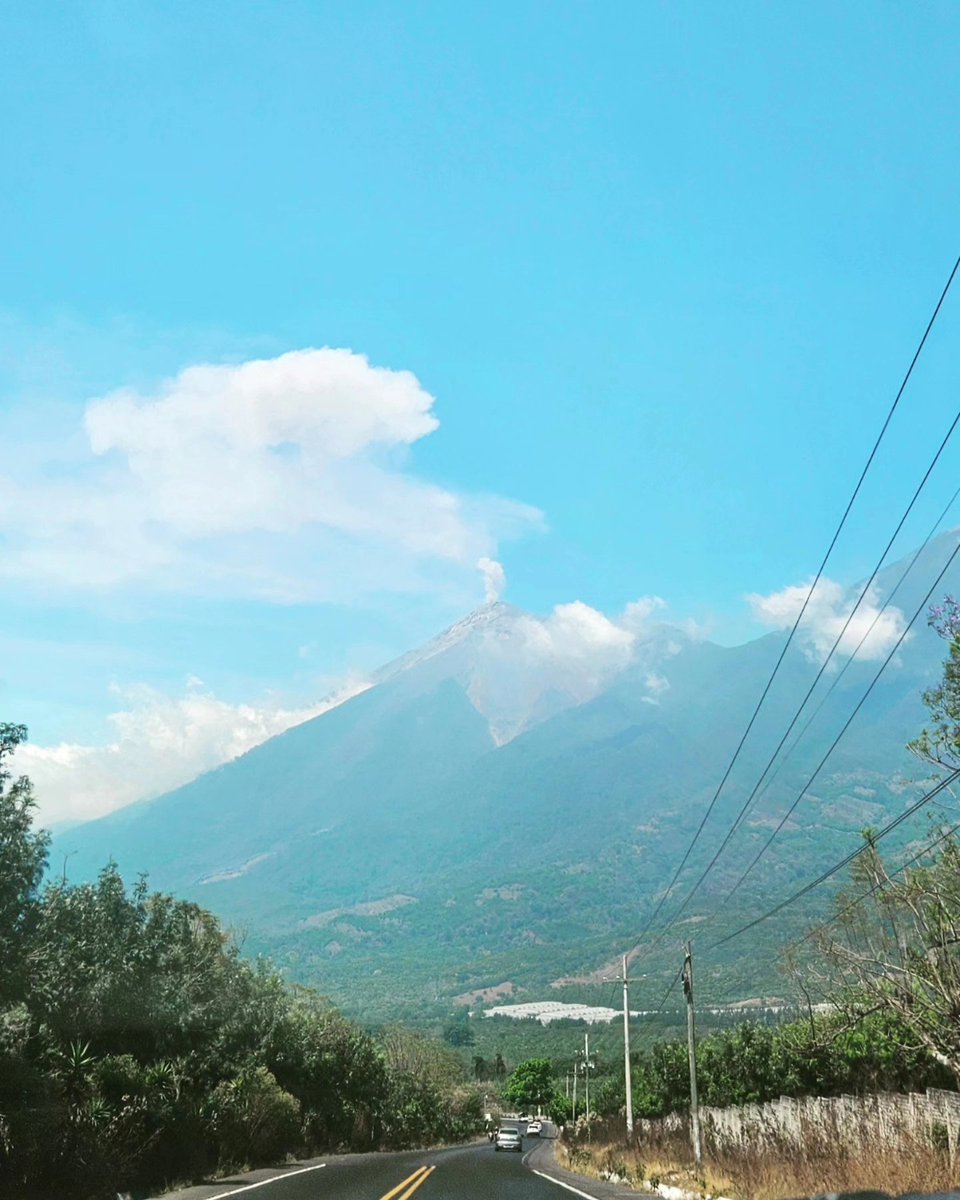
850, 1121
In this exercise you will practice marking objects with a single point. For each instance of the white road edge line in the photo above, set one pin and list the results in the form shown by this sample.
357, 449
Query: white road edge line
263, 1183
553, 1179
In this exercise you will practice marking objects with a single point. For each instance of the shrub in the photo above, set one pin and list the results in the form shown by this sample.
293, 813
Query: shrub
255, 1120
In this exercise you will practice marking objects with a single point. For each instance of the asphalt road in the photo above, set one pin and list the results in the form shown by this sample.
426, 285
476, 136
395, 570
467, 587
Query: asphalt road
474, 1172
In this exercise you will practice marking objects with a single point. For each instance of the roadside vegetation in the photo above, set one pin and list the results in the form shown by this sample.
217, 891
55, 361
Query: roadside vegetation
138, 1049
775, 1170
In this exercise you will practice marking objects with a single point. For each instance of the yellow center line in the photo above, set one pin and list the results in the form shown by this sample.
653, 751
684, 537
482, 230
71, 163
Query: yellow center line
413, 1187
420, 1171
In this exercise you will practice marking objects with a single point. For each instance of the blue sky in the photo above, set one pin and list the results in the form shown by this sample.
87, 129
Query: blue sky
659, 267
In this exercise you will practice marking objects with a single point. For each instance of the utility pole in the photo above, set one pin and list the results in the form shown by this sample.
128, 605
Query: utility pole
628, 1082
627, 1075
692, 1054
573, 1119
586, 1071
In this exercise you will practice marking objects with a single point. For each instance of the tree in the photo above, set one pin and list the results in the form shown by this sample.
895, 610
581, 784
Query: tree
531, 1084
139, 973
333, 1069
138, 1048
457, 1031
893, 948
561, 1108
23, 859
939, 742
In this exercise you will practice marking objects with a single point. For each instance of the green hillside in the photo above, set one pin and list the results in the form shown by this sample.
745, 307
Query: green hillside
391, 852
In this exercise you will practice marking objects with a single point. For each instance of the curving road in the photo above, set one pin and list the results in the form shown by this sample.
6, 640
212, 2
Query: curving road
473, 1172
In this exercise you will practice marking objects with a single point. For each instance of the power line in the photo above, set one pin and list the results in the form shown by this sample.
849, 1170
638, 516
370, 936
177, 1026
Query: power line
838, 678
666, 995
888, 828
803, 609
879, 886
846, 725
757, 786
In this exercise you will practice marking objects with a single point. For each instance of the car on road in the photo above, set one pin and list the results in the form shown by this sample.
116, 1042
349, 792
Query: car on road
535, 1127
508, 1139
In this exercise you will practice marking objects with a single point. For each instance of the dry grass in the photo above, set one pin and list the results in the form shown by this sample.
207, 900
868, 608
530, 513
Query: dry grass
775, 1170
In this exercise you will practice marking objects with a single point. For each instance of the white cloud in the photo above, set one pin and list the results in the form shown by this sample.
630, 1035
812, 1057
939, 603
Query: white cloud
594, 647
157, 742
657, 684
827, 612
638, 612
587, 640
527, 669
531, 667
282, 478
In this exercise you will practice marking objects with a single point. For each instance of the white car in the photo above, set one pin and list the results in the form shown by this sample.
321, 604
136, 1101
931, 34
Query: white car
535, 1127
508, 1139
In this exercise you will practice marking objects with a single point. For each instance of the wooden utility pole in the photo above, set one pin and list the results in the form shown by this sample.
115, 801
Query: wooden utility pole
692, 1054
626, 1048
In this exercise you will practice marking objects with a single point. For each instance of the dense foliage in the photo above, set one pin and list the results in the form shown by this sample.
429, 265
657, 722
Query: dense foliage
530, 1086
753, 1063
756, 1063
138, 1048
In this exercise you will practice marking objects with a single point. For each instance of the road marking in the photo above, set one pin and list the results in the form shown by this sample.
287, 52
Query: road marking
419, 1175
413, 1187
560, 1183
263, 1182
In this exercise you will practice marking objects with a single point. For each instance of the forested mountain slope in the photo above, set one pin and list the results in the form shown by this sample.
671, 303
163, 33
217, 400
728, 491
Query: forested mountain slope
481, 815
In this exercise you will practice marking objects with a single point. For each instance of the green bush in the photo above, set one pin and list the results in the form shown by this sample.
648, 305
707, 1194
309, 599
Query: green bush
254, 1119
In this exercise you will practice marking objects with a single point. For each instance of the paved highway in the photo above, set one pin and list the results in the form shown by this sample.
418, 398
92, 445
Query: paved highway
474, 1172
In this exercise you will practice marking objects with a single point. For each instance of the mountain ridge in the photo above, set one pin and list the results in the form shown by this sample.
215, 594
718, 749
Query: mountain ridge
569, 817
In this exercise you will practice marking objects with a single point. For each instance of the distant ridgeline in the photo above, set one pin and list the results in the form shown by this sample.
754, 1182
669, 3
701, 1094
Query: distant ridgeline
489, 819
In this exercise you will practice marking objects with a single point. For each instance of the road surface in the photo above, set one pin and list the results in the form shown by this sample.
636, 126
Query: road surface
473, 1172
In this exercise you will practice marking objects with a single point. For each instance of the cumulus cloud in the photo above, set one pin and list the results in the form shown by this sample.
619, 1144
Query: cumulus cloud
638, 612
830, 606
584, 638
284, 478
596, 647
531, 667
156, 742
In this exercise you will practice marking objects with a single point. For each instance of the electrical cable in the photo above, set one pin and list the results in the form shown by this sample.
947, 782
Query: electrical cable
666, 995
828, 874
846, 725
757, 786
803, 609
838, 678
879, 886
